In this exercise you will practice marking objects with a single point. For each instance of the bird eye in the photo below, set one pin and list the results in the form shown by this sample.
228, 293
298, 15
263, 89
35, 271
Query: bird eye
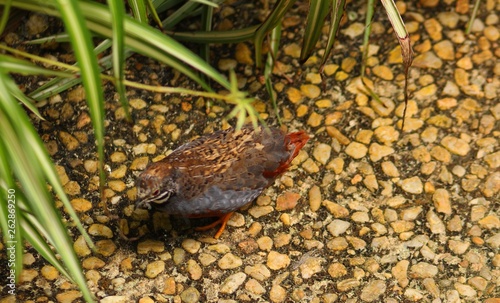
156, 192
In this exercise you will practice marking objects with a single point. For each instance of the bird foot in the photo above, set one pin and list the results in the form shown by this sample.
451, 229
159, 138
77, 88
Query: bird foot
222, 221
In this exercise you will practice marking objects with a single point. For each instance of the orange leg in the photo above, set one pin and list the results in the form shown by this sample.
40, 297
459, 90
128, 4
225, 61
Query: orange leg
222, 221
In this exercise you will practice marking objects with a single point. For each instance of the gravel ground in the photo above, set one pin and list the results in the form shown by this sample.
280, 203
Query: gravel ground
367, 212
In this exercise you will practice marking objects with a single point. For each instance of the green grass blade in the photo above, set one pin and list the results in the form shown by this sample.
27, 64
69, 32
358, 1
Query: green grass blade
370, 8
71, 14
268, 69
276, 16
138, 9
23, 150
338, 8
118, 13
318, 9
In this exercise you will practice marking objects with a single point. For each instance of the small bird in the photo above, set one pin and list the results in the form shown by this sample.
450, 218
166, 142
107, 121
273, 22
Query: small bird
216, 174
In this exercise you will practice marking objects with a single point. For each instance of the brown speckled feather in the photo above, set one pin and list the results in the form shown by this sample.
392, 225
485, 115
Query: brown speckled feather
220, 172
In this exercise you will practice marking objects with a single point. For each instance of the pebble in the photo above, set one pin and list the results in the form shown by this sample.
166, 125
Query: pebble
230, 261
277, 294
458, 247
337, 210
436, 225
258, 271
257, 211
311, 266
232, 283
400, 272
276, 260
423, 270
383, 72
455, 145
356, 150
190, 295
315, 198
338, 227
444, 50
154, 268
287, 201
378, 152
373, 290
322, 153
254, 287
100, 230
412, 185
428, 60
194, 269
465, 290
441, 199
148, 246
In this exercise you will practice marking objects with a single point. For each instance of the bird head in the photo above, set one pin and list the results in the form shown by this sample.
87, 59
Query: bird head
152, 189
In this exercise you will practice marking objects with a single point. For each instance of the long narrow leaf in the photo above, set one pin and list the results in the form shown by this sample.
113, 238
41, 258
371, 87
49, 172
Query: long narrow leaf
138, 9
370, 8
318, 9
338, 8
31, 173
118, 13
276, 16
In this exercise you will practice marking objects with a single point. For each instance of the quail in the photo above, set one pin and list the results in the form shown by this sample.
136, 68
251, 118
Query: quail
216, 174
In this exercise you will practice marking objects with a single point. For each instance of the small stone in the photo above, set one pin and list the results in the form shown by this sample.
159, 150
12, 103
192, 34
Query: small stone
243, 54
286, 201
455, 145
360, 217
444, 50
315, 119
105, 247
258, 271
72, 295
310, 166
232, 283
377, 151
478, 283
310, 267
354, 30
147, 246
81, 205
489, 222
373, 290
458, 247
413, 294
227, 64
100, 230
400, 272
493, 160
276, 260
428, 60
194, 269
257, 211
230, 261
465, 290
338, 227
310, 90
455, 224
491, 185
253, 286
154, 268
337, 210
191, 246
386, 134
383, 72
412, 185
348, 284
423, 270
440, 154
389, 168
49, 272
322, 153
338, 244
435, 224
69, 141
356, 150
190, 295
277, 294
442, 202
315, 198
